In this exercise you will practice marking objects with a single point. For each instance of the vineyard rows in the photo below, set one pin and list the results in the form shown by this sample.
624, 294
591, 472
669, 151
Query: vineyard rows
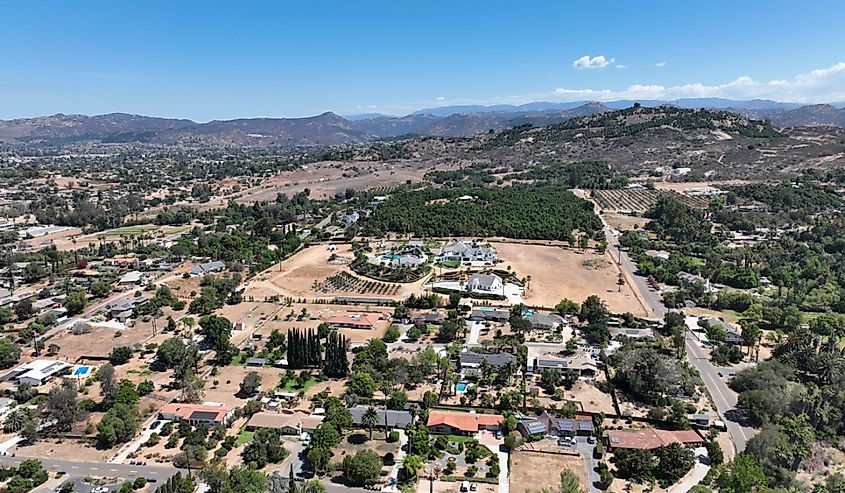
346, 282
640, 200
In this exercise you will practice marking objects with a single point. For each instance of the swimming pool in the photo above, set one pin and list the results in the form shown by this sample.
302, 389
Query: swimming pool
461, 386
82, 370
527, 313
391, 256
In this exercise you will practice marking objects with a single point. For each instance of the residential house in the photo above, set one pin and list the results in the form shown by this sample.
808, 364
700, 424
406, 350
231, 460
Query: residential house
685, 279
38, 372
133, 278
457, 423
617, 333
545, 321
392, 418
485, 283
581, 425
212, 415
466, 253
731, 334
208, 268
428, 318
531, 428
354, 321
489, 314
471, 361
650, 438
294, 423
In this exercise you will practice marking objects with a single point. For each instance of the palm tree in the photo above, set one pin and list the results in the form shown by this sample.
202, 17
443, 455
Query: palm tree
411, 466
370, 419
15, 421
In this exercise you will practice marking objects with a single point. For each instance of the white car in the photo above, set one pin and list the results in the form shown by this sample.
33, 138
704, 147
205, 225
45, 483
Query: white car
99, 489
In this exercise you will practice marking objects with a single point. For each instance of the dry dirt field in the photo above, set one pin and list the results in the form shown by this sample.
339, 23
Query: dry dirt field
536, 471
317, 313
624, 222
558, 273
296, 276
325, 179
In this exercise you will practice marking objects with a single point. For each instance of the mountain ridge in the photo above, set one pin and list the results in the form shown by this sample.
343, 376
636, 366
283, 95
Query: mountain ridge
330, 128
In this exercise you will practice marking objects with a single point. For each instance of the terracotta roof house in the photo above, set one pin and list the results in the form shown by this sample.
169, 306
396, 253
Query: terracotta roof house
195, 413
350, 322
462, 423
650, 438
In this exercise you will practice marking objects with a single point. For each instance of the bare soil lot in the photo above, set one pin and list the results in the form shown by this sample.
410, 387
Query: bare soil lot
537, 471
298, 276
558, 273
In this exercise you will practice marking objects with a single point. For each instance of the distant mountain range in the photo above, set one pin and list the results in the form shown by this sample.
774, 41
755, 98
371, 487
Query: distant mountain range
329, 128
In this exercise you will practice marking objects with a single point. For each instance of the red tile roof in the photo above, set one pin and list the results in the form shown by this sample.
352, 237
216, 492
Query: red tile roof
649, 438
185, 411
469, 422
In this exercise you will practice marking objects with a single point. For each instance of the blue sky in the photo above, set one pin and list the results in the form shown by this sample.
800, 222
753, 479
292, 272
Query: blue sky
216, 60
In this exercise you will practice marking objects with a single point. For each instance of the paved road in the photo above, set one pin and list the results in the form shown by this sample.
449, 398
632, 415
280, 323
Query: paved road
124, 471
724, 398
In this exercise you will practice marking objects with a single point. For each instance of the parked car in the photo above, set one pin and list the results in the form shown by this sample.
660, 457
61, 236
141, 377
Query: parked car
473, 486
591, 439
464, 486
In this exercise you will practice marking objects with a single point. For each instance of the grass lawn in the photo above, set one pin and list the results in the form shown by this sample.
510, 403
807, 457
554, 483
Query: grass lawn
292, 385
244, 437
143, 371
452, 264
239, 360
177, 229
129, 230
460, 438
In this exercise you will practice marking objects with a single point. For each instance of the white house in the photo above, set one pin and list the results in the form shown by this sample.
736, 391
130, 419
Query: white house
465, 253
39, 372
487, 283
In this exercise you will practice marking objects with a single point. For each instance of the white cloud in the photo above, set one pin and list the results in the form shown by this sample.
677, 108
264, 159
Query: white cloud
440, 98
821, 85
595, 62
818, 86
660, 64
619, 65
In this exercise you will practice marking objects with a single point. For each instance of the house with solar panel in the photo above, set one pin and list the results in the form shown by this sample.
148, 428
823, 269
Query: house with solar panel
533, 428
555, 425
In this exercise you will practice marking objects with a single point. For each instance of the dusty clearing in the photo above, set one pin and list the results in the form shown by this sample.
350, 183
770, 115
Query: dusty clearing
537, 471
558, 273
624, 222
298, 276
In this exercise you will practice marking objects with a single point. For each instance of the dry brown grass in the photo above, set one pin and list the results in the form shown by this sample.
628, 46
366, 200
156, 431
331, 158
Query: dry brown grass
535, 471
558, 273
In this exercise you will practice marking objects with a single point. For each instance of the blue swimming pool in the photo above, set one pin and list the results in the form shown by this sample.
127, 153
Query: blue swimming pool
461, 386
527, 313
82, 370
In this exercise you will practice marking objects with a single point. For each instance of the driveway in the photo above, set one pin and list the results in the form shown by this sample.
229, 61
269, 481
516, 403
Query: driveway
141, 439
393, 478
696, 474
474, 331
495, 445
